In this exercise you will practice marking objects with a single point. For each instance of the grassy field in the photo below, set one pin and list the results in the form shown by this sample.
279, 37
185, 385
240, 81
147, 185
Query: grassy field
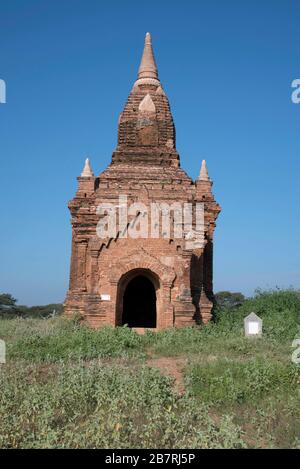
65, 385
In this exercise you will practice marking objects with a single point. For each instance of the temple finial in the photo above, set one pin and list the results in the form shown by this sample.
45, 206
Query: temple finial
148, 68
203, 172
87, 170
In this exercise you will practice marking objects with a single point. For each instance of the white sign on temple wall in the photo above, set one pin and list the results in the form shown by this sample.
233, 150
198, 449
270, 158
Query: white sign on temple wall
105, 297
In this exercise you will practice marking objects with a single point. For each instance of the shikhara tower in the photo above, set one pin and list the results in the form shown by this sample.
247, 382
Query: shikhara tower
143, 282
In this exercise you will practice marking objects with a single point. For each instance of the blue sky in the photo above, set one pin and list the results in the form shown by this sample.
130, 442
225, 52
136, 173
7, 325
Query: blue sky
227, 67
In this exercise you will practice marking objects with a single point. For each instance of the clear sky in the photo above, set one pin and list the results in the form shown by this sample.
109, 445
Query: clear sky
227, 67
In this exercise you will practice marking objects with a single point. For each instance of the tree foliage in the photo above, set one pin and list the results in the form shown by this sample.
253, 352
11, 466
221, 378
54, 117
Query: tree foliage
227, 299
9, 307
6, 299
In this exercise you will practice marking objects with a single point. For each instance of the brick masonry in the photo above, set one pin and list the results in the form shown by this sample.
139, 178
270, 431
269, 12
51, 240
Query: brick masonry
146, 168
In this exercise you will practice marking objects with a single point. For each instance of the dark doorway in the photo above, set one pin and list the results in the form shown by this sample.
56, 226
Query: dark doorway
139, 303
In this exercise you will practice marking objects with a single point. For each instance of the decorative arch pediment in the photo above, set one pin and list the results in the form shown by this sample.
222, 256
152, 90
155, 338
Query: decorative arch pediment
141, 259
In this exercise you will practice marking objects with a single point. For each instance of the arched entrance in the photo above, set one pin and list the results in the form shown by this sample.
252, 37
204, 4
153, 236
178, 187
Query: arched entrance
139, 303
138, 299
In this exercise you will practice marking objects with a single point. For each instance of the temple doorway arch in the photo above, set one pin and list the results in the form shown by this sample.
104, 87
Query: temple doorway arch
137, 299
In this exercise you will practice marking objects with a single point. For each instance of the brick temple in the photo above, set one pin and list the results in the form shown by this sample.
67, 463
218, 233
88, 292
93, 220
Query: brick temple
144, 281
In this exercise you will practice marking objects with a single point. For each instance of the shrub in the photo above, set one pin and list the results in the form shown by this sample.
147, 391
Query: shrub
279, 309
231, 382
79, 406
72, 341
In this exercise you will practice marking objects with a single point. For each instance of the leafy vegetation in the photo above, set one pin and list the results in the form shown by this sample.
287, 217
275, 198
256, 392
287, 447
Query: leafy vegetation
104, 406
62, 380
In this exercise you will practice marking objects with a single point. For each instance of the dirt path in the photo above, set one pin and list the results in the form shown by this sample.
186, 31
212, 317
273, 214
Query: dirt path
171, 366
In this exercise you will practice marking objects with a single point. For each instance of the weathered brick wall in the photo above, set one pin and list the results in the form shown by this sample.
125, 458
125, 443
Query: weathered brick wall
146, 168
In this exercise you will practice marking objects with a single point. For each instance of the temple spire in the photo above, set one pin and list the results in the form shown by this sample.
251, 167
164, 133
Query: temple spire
87, 170
203, 172
148, 68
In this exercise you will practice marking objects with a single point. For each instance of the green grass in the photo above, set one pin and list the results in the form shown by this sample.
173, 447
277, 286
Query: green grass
65, 385
61, 339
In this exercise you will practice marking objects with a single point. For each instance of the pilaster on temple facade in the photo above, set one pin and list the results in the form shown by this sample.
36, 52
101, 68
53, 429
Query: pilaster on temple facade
143, 273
